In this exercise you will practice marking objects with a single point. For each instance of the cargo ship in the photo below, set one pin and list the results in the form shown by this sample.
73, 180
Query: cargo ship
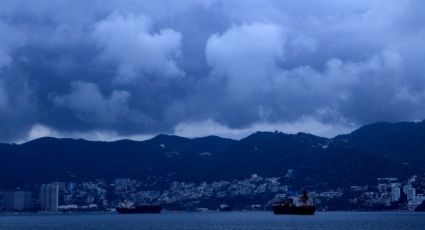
294, 206
133, 209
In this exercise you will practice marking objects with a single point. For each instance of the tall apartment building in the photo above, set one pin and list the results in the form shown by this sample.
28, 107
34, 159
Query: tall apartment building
395, 193
49, 196
18, 201
410, 192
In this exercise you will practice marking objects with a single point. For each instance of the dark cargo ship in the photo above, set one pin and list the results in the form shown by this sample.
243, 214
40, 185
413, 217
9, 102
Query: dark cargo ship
145, 208
290, 206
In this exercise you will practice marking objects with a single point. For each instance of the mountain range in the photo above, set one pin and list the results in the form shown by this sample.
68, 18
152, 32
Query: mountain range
358, 158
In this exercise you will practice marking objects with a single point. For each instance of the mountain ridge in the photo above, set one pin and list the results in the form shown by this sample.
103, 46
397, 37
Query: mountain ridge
375, 150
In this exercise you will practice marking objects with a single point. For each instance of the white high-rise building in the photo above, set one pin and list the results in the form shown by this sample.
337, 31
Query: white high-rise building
49, 197
395, 193
410, 192
18, 201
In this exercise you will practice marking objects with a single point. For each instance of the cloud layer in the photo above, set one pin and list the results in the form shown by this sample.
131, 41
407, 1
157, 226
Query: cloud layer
137, 68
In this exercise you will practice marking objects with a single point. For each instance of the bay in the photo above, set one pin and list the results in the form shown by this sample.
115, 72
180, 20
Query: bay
217, 220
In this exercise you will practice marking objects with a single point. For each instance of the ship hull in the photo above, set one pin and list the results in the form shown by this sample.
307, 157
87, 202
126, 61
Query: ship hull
293, 210
139, 209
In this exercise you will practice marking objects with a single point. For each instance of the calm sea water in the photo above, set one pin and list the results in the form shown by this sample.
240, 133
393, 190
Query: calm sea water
218, 221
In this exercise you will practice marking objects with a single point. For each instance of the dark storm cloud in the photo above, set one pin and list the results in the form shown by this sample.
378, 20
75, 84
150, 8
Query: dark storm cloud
106, 69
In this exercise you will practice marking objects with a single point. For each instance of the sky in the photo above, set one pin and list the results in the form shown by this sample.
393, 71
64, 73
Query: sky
106, 70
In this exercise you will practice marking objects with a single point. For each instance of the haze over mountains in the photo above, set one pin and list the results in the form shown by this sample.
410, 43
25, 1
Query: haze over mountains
372, 151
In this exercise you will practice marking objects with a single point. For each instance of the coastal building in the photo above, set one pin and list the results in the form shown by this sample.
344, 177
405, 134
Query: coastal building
49, 196
395, 193
410, 192
18, 201
419, 199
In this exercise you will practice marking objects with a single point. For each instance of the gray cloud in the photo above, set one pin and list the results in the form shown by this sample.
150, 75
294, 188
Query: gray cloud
247, 55
90, 106
127, 41
131, 67
10, 40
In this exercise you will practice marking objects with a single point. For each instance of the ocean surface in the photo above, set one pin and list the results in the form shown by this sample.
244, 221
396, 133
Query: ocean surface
218, 221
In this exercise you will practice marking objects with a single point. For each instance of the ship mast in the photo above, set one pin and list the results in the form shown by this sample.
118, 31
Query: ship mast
304, 198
